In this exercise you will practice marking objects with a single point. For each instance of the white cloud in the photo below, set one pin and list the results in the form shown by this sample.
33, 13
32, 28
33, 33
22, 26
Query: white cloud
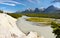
31, 1
13, 2
38, 1
1, 1
57, 4
34, 1
17, 3
8, 4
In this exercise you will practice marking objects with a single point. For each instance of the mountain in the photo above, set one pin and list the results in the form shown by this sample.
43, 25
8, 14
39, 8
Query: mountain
42, 9
36, 10
52, 9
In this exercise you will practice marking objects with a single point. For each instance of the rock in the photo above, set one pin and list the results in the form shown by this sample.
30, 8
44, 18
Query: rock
32, 35
8, 27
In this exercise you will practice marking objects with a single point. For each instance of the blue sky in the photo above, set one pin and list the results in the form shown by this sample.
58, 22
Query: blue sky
15, 5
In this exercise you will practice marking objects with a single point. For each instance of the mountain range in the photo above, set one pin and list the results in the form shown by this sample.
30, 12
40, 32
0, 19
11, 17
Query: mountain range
50, 9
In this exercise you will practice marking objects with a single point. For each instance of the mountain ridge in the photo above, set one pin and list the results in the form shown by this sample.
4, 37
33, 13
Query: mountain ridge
50, 9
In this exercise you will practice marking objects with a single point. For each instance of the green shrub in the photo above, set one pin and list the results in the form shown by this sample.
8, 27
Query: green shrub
1, 11
56, 29
15, 15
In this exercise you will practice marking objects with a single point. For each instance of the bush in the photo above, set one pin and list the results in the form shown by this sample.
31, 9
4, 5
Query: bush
1, 11
56, 29
15, 15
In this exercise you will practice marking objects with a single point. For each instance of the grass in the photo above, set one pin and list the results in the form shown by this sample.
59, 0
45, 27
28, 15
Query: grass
17, 15
40, 20
46, 18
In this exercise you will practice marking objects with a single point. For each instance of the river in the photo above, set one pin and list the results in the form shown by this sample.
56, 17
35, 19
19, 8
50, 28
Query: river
42, 30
